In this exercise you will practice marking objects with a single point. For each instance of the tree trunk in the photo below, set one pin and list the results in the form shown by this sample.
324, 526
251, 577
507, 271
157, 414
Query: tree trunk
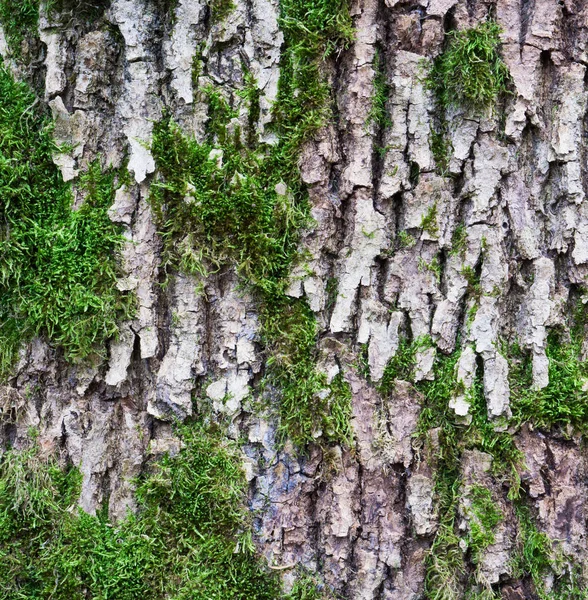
439, 259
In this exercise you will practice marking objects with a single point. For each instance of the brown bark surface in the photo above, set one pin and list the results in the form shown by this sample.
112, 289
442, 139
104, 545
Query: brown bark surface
363, 517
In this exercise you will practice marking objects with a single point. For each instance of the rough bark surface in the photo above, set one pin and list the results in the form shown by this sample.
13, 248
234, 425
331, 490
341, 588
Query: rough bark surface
363, 517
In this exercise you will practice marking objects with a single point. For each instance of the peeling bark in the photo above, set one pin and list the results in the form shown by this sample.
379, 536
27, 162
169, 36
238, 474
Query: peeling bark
362, 517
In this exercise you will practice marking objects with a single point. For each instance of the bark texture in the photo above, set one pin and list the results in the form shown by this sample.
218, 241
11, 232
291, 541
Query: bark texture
365, 517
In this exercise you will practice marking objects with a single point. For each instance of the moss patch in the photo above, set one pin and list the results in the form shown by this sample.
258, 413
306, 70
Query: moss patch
18, 20
564, 401
233, 201
470, 71
378, 112
220, 9
58, 267
189, 540
484, 515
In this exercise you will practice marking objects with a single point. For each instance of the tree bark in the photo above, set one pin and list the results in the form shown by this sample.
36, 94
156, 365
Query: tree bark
364, 518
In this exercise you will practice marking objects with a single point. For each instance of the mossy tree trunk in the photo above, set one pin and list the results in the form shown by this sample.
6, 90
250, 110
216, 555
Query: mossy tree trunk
440, 275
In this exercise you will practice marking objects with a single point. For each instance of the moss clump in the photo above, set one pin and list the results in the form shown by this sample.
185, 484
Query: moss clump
216, 205
229, 201
535, 553
189, 540
220, 9
18, 19
402, 364
307, 587
564, 401
537, 557
313, 31
484, 515
429, 222
378, 112
309, 407
405, 240
470, 71
441, 146
58, 267
472, 276
459, 241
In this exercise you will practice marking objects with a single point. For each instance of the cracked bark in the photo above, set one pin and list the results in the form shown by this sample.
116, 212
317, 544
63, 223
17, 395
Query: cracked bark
363, 518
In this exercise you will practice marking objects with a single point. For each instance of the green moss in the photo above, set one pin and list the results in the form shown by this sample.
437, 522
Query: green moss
313, 31
405, 240
401, 365
434, 267
483, 517
309, 408
232, 212
441, 146
230, 201
189, 540
445, 568
537, 556
220, 9
220, 114
331, 292
196, 66
473, 279
169, 8
252, 94
564, 401
470, 71
535, 553
363, 362
459, 241
308, 587
429, 221
19, 19
58, 266
435, 413
378, 113
478, 592
569, 585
